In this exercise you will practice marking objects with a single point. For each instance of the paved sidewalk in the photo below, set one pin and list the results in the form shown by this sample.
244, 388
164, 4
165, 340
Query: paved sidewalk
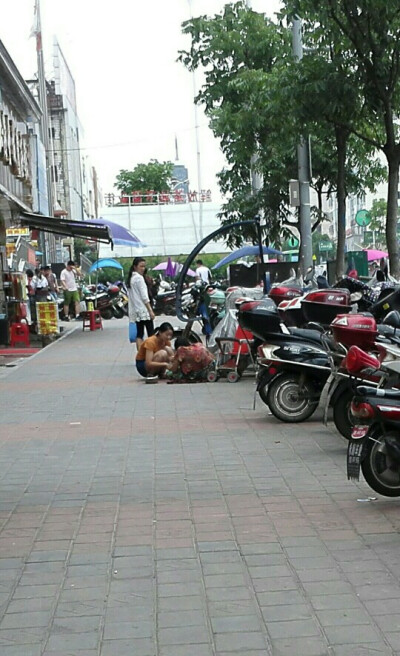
173, 520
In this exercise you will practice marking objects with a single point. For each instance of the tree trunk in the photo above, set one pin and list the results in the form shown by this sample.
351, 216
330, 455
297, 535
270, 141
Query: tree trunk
319, 195
392, 214
341, 143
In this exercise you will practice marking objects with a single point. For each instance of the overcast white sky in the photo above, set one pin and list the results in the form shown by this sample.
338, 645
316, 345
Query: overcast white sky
132, 96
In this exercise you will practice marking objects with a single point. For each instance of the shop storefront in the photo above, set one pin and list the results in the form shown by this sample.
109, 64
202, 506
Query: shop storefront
19, 120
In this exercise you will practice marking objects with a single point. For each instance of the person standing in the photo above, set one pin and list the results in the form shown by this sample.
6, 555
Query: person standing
52, 281
140, 310
150, 286
70, 289
40, 285
203, 273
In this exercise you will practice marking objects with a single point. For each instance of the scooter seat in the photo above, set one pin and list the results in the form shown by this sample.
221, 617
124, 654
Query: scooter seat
386, 331
363, 390
307, 334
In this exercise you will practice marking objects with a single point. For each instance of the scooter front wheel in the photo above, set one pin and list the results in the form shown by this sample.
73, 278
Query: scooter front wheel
290, 398
169, 310
106, 313
118, 312
381, 470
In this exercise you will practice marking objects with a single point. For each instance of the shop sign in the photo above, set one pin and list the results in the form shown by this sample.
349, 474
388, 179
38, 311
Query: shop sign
17, 232
47, 318
10, 249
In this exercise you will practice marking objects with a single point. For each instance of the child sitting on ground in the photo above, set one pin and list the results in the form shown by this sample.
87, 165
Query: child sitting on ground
191, 361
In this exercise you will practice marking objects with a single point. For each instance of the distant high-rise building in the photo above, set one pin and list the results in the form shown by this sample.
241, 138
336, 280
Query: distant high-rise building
180, 178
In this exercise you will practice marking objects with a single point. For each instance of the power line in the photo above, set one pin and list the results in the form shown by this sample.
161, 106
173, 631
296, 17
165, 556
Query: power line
125, 143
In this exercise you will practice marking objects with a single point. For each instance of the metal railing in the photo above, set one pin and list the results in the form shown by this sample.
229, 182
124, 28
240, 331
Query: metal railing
176, 197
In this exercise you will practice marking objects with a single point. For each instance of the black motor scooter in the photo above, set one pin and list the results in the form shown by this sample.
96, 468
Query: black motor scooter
293, 362
374, 447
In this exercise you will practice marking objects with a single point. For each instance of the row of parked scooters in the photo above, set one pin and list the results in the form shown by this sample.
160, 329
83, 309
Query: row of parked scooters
319, 350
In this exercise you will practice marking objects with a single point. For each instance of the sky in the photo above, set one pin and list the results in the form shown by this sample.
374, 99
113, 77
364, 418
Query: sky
132, 95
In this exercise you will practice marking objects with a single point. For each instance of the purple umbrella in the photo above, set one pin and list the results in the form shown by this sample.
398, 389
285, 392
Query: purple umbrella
162, 266
171, 268
120, 236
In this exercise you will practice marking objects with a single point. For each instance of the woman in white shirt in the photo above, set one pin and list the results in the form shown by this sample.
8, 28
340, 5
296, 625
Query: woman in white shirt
140, 310
40, 285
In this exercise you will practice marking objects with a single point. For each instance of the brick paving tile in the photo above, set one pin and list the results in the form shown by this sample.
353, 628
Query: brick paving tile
68, 652
137, 647
176, 521
233, 641
188, 649
308, 646
363, 649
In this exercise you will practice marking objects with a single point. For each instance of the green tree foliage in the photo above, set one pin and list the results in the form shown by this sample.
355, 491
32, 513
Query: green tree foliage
155, 176
326, 98
259, 99
235, 49
368, 32
87, 248
378, 215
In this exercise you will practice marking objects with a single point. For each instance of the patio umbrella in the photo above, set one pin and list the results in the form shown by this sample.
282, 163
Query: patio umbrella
104, 263
162, 266
171, 268
246, 251
121, 236
373, 254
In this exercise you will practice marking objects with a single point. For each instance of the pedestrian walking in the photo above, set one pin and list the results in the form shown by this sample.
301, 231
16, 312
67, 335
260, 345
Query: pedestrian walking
202, 272
140, 310
70, 289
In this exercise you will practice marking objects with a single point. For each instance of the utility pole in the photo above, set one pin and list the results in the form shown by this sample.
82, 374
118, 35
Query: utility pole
198, 155
257, 182
303, 160
44, 122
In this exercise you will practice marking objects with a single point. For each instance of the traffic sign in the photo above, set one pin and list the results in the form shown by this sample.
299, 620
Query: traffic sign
325, 246
363, 218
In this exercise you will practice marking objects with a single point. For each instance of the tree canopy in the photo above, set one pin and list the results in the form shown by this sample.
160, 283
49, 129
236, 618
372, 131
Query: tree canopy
259, 99
367, 33
155, 176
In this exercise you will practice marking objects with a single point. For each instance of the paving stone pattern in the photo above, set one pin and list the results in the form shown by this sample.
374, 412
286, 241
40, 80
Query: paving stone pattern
173, 520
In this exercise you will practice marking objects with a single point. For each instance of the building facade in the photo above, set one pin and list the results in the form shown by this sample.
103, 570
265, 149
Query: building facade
22, 179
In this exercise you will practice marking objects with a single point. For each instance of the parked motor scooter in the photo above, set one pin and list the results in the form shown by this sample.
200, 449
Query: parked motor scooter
164, 301
374, 447
199, 307
215, 301
295, 365
105, 299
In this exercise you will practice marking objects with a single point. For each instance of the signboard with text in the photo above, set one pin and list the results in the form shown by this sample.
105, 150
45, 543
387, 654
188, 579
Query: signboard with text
17, 232
47, 318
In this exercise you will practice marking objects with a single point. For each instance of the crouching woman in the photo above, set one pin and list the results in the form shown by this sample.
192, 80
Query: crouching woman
155, 354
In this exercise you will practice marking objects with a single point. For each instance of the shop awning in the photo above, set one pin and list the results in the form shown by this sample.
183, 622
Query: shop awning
68, 228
